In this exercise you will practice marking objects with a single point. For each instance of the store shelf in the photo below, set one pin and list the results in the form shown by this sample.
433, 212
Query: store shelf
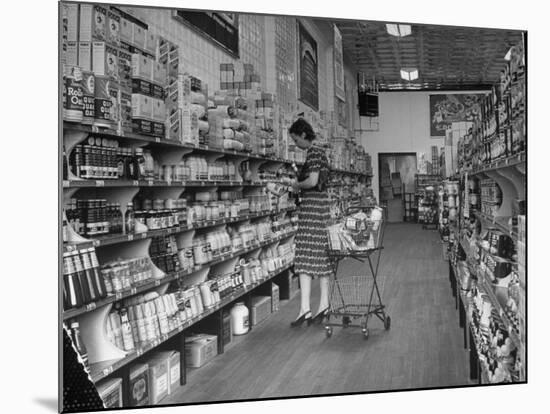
165, 142
123, 238
169, 278
101, 370
499, 223
499, 164
157, 183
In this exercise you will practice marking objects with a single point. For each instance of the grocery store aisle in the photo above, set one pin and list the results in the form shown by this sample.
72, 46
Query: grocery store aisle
423, 348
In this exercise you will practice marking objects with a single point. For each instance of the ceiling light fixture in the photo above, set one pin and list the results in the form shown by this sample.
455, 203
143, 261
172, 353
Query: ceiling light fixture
399, 30
409, 74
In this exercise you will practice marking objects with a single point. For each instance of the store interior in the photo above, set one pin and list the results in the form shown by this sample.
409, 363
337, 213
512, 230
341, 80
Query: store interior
178, 284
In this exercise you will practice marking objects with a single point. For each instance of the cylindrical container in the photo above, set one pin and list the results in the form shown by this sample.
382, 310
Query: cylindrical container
239, 319
73, 103
103, 103
88, 97
206, 295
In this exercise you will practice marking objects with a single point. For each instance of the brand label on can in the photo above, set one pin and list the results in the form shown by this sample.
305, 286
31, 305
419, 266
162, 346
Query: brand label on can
73, 94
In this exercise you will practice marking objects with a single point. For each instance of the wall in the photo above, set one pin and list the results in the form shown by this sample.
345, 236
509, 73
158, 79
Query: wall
404, 126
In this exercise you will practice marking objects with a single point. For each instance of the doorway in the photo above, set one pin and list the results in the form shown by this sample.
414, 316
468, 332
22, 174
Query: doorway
396, 172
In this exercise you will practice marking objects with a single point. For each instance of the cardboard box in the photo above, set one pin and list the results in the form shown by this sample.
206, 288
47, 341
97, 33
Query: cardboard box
138, 385
113, 27
159, 111
142, 67
150, 42
72, 11
126, 30
158, 378
159, 73
142, 126
139, 34
125, 107
157, 91
172, 358
142, 106
110, 392
200, 349
71, 54
104, 59
85, 56
142, 87
125, 69
260, 309
93, 23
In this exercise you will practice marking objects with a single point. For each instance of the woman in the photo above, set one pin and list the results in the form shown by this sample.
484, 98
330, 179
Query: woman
314, 213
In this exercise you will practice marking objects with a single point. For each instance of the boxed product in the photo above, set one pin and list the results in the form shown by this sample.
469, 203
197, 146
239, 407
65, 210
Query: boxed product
138, 385
125, 69
274, 297
71, 54
72, 21
159, 110
142, 126
150, 42
158, 378
159, 73
172, 359
142, 106
142, 67
260, 309
200, 349
142, 87
157, 91
110, 392
125, 106
126, 30
104, 59
139, 34
85, 55
113, 27
93, 23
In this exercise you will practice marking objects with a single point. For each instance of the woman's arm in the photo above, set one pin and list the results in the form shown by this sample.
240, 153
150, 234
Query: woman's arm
310, 181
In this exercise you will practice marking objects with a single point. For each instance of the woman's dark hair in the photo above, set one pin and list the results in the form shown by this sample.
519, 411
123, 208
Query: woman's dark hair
302, 126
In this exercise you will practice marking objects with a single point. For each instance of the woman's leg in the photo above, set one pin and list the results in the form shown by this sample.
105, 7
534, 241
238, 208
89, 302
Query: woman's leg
323, 301
305, 292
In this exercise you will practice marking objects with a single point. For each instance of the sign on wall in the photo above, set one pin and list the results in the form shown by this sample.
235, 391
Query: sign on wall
445, 109
308, 61
338, 55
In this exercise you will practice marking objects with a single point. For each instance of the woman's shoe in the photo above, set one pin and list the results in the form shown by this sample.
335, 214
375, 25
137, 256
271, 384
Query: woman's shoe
320, 317
304, 317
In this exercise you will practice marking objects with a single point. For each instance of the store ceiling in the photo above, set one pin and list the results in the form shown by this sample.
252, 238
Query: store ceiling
447, 58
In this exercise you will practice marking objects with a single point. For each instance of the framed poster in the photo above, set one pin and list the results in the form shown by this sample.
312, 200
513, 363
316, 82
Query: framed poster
448, 108
308, 85
338, 65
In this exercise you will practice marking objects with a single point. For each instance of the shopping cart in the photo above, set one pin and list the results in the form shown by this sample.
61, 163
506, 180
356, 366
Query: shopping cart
357, 297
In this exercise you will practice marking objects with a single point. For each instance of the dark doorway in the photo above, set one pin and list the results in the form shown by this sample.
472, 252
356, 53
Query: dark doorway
396, 172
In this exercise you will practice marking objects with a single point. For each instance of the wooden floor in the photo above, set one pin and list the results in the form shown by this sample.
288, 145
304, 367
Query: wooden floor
423, 348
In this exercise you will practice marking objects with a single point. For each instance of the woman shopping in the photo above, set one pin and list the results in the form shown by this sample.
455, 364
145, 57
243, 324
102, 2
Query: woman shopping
311, 259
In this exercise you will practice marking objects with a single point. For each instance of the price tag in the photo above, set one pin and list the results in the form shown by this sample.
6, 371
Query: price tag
150, 183
135, 183
118, 295
157, 139
180, 328
108, 371
96, 243
164, 338
91, 306
157, 283
95, 129
65, 183
99, 183
139, 352
203, 183
130, 237
133, 291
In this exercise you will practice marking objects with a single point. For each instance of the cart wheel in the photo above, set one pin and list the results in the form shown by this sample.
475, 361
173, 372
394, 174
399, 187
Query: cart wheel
328, 331
365, 333
346, 321
387, 323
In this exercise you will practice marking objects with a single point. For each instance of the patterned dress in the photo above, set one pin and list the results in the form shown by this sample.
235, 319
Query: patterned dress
313, 217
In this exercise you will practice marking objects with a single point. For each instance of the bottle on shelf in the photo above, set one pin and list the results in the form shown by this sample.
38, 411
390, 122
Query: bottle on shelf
78, 343
129, 218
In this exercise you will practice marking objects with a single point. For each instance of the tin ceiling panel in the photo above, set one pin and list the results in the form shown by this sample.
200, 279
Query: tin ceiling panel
447, 58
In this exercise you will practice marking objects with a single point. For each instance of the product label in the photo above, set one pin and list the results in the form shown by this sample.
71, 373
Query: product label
103, 101
114, 28
74, 94
162, 385
245, 321
174, 374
